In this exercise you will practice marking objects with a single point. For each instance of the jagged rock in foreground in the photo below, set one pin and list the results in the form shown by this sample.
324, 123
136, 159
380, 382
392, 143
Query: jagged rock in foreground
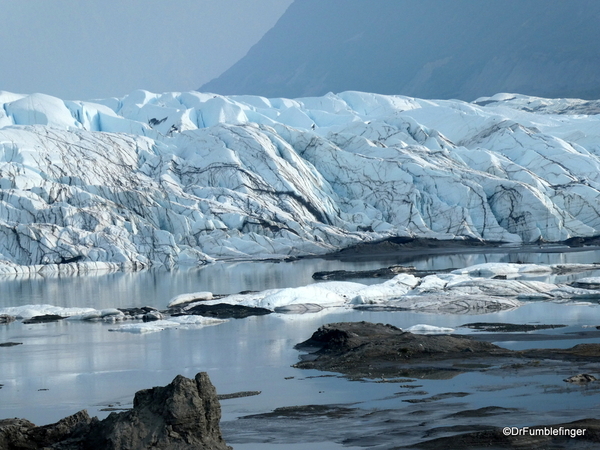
183, 415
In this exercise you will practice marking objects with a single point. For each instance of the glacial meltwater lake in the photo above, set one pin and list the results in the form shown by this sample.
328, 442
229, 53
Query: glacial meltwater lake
63, 367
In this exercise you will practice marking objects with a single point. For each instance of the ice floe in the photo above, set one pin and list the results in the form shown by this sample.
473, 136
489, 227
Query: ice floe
189, 298
464, 291
514, 269
184, 322
506, 269
29, 311
454, 292
377, 293
428, 329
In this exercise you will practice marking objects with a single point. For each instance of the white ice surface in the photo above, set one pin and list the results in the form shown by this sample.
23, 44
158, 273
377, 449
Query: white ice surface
589, 280
377, 293
508, 269
172, 322
186, 178
446, 293
428, 329
285, 299
188, 298
29, 311
438, 293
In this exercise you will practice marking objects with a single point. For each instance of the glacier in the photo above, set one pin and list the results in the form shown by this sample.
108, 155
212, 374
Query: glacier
190, 178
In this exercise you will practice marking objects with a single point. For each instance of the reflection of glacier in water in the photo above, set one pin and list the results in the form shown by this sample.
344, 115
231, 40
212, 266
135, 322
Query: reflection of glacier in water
83, 365
156, 287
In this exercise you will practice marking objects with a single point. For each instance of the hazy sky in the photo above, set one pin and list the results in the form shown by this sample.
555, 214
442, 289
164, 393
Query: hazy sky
84, 49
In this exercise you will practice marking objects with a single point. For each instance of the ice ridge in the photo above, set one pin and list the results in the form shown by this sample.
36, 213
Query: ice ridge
188, 178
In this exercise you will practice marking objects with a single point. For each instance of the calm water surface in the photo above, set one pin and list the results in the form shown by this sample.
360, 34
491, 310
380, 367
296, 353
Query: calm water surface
67, 366
157, 287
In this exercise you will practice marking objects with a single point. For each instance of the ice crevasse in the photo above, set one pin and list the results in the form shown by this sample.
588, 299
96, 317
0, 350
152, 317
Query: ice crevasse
189, 178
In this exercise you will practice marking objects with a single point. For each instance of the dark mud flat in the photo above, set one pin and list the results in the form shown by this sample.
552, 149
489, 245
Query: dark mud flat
10, 344
407, 248
367, 350
384, 272
583, 434
223, 311
447, 392
415, 427
410, 246
46, 318
508, 327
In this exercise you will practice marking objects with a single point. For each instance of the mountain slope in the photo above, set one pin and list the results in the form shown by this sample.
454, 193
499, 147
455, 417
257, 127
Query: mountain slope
460, 49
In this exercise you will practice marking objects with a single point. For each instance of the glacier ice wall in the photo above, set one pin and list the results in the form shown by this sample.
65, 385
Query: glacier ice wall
187, 178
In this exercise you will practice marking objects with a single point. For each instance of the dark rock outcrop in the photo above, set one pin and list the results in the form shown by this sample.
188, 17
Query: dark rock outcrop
363, 349
224, 311
44, 318
183, 415
14, 434
152, 316
5, 318
385, 341
66, 434
384, 272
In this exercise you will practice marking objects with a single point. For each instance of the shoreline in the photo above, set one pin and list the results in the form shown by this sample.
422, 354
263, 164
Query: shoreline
412, 247
404, 247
